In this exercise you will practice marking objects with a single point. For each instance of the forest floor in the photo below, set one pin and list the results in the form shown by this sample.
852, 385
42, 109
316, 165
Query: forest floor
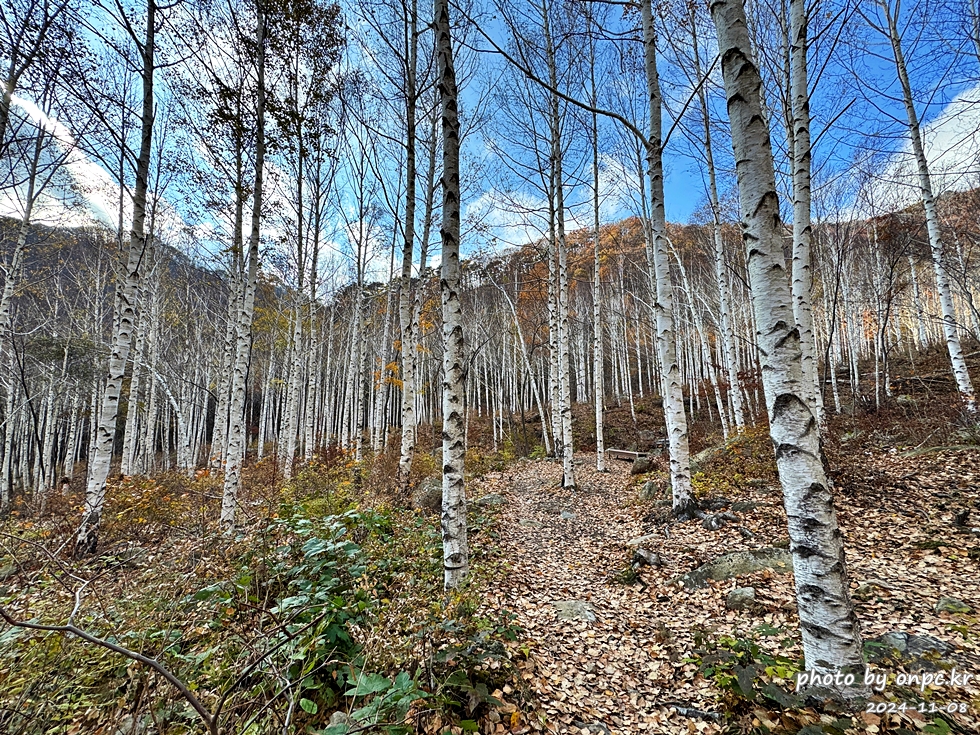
557, 631
611, 652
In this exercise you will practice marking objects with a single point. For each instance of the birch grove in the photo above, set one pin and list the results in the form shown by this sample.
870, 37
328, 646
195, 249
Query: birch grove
246, 244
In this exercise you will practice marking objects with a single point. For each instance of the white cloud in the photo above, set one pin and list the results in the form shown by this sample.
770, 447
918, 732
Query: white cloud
502, 219
952, 147
86, 194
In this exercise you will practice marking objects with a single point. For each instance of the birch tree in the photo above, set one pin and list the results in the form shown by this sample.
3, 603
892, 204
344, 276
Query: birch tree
454, 541
724, 291
235, 455
684, 505
828, 623
125, 296
891, 10
799, 92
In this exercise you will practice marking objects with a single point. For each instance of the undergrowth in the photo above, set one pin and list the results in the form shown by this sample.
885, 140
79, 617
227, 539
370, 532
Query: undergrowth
326, 615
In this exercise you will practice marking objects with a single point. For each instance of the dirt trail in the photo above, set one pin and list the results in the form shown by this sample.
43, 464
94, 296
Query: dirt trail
622, 668
617, 672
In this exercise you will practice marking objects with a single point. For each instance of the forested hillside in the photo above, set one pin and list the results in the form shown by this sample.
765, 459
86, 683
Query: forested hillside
576, 367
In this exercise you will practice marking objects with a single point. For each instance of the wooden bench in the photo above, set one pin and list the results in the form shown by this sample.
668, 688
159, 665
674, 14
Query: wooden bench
624, 454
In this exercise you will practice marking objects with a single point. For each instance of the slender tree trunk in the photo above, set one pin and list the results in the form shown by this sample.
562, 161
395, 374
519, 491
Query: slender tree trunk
802, 231
406, 299
243, 328
296, 378
960, 372
219, 435
454, 543
830, 629
125, 308
920, 314
130, 441
598, 379
684, 505
562, 378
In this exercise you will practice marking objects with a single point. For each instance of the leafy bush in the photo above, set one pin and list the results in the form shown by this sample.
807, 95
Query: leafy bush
745, 671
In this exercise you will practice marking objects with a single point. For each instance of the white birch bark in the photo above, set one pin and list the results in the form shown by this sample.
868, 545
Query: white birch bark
829, 626
71, 439
125, 309
296, 378
950, 331
684, 505
598, 379
724, 293
454, 541
920, 314
802, 231
236, 434
406, 300
133, 400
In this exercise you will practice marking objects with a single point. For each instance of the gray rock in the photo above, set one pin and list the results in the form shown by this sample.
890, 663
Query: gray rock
922, 651
952, 605
342, 718
641, 465
428, 495
491, 500
741, 598
718, 520
567, 515
655, 488
714, 504
744, 506
640, 540
574, 610
702, 458
736, 564
642, 557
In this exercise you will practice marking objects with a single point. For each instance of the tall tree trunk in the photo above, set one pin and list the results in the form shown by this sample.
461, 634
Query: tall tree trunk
454, 543
724, 292
802, 231
219, 435
831, 634
563, 409
598, 381
920, 314
684, 505
405, 291
125, 310
235, 455
958, 362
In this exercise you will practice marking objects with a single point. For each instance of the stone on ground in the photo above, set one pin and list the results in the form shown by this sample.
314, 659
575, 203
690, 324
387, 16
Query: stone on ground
574, 610
741, 598
952, 605
737, 564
